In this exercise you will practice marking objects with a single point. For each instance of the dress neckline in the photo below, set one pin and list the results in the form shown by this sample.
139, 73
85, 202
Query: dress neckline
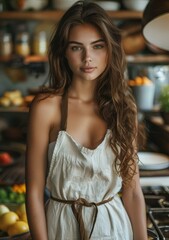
82, 148
63, 128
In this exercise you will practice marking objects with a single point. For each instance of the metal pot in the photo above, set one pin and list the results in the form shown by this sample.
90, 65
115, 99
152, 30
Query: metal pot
132, 38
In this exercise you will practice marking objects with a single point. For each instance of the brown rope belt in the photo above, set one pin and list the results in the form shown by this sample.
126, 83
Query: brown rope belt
76, 206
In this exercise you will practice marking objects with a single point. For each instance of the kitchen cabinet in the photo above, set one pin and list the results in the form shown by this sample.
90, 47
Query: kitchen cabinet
54, 16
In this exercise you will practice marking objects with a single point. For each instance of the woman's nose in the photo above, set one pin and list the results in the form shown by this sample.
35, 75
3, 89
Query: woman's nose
88, 59
87, 56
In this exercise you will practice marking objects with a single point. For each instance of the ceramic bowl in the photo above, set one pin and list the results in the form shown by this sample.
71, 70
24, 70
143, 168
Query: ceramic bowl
137, 5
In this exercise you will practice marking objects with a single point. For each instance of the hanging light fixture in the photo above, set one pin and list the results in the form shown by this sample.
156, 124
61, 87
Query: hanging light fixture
156, 23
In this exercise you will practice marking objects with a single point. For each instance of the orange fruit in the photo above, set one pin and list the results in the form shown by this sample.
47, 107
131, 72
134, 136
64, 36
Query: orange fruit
8, 219
17, 228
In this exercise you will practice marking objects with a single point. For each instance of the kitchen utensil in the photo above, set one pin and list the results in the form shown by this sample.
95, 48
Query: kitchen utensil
132, 38
155, 23
144, 96
159, 74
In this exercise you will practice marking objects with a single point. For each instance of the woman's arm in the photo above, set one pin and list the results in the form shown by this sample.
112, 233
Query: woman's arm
36, 165
134, 204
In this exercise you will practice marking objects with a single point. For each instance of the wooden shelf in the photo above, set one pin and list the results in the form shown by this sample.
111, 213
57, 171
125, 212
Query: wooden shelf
135, 59
33, 15
35, 58
125, 14
26, 60
14, 109
55, 15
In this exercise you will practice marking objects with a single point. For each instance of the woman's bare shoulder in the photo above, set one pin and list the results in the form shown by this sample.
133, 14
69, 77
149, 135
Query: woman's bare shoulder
44, 100
46, 106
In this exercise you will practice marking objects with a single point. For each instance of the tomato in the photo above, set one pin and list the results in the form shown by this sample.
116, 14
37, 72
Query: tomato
5, 158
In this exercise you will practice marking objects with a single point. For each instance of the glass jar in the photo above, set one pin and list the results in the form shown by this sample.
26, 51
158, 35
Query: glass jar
6, 45
2, 5
39, 44
22, 44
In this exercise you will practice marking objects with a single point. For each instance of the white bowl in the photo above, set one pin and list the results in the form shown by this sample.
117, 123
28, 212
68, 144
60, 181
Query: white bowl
108, 5
138, 5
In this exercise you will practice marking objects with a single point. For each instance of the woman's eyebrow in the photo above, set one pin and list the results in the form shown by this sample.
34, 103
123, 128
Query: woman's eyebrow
99, 40
79, 43
74, 42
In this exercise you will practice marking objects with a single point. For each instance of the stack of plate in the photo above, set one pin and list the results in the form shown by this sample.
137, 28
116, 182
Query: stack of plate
153, 161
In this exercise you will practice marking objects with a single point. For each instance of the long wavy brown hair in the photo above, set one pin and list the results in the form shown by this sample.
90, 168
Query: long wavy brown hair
112, 94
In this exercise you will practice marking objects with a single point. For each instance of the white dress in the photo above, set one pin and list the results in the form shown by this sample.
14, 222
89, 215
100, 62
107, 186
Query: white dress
78, 172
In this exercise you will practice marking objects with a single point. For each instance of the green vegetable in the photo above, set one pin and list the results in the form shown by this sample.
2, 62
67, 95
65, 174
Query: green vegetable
164, 99
3, 194
7, 195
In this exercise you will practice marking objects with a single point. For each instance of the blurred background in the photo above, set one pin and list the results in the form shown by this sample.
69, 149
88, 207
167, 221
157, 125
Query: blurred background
25, 30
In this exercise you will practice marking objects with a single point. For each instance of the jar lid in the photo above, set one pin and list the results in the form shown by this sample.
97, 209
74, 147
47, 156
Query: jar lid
5, 37
22, 37
41, 35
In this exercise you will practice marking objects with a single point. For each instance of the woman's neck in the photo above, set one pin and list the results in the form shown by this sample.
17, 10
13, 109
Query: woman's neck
82, 91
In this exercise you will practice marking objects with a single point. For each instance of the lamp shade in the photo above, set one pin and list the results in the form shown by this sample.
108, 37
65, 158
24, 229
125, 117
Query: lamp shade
156, 23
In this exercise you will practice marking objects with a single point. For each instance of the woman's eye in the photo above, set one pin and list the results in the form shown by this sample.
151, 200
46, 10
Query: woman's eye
99, 46
76, 48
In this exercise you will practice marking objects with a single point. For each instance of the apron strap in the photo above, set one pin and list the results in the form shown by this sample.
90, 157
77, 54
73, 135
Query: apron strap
64, 109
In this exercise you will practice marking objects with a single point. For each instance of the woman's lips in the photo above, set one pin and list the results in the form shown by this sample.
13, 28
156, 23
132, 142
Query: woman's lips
88, 69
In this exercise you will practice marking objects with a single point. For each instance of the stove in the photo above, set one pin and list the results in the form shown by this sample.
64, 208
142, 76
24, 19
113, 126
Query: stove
157, 207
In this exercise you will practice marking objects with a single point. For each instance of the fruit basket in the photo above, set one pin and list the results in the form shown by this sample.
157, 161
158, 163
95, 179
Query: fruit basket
13, 222
13, 218
23, 236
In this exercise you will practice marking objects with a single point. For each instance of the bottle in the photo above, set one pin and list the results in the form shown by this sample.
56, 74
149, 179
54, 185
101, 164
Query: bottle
22, 44
39, 44
6, 45
3, 6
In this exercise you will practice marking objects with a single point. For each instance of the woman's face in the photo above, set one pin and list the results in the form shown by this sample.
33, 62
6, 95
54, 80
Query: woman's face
86, 52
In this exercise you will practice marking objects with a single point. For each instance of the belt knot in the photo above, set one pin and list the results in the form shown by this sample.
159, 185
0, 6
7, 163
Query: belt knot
76, 206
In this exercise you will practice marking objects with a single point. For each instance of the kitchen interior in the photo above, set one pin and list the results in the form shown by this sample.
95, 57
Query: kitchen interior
25, 29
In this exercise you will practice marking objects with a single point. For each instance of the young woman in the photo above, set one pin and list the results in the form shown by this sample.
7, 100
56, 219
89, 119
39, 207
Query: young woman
82, 137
